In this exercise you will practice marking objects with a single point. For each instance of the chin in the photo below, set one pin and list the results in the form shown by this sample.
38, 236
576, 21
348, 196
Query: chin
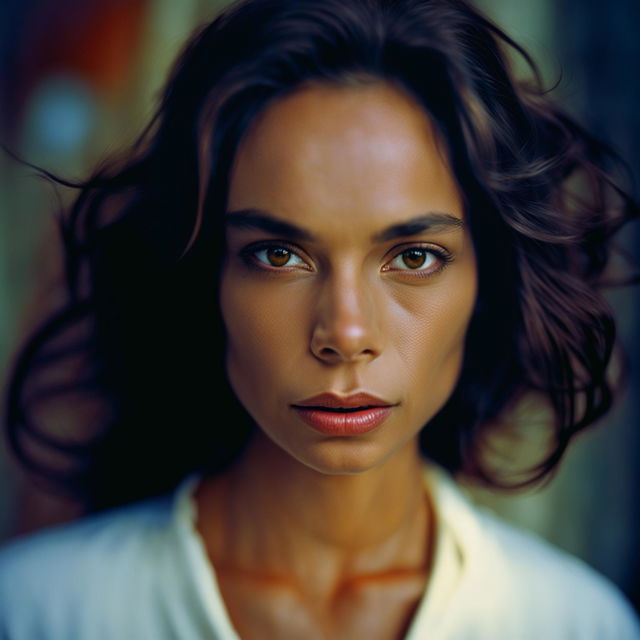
342, 457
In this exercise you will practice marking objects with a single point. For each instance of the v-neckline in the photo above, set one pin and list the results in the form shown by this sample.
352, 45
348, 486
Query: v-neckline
445, 574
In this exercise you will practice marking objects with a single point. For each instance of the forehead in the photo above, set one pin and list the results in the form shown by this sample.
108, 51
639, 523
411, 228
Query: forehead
344, 151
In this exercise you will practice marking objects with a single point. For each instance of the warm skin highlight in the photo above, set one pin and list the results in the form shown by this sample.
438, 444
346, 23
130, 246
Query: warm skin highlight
345, 306
345, 165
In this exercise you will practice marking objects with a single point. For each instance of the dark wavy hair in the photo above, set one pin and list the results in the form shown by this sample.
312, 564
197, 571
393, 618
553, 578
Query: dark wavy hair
133, 363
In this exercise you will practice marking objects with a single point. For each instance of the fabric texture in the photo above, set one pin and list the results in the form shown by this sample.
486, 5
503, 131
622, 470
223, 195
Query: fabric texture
140, 572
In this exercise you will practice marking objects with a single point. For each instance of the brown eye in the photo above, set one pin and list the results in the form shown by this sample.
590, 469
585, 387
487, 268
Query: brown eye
422, 260
275, 255
278, 256
414, 258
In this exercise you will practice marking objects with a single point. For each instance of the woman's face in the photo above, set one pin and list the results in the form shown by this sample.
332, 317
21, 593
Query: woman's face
350, 270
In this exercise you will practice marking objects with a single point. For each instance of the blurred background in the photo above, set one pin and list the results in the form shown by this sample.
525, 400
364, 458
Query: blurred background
79, 79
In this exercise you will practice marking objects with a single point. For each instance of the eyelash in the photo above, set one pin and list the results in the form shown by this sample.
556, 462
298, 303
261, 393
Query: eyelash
442, 256
249, 256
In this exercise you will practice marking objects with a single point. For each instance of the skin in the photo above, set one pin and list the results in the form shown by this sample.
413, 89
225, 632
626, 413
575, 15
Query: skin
322, 536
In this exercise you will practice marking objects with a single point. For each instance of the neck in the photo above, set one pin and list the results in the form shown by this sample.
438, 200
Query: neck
282, 517
344, 511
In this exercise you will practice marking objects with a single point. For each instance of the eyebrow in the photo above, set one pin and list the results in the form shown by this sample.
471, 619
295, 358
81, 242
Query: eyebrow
263, 221
434, 221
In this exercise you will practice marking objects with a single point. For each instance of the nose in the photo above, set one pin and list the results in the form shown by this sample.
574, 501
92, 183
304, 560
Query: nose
346, 325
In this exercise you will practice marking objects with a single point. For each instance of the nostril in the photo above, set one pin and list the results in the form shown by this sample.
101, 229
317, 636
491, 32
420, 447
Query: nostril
343, 339
331, 354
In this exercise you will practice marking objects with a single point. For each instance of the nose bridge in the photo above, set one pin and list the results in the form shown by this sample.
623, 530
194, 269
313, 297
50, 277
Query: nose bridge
346, 322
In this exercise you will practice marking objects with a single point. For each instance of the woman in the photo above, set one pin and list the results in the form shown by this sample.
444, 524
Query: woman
343, 251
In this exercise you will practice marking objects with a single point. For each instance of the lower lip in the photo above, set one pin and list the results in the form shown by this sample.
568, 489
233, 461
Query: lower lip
353, 423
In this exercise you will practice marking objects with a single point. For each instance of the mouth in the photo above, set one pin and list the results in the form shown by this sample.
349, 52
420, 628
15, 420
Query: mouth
352, 415
338, 409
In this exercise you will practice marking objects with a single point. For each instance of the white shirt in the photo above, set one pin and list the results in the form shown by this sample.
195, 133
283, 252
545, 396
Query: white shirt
140, 572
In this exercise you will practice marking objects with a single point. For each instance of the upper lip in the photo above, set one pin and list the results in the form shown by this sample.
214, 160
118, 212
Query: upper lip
335, 401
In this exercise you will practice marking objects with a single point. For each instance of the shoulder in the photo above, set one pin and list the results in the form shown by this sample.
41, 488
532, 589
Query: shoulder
73, 571
76, 545
555, 584
515, 580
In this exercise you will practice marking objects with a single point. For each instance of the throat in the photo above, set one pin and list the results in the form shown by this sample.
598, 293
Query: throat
316, 533
341, 511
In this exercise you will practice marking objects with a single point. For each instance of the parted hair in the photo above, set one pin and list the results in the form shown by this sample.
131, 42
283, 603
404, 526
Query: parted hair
132, 364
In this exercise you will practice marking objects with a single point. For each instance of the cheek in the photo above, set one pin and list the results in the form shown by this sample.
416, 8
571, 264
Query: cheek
435, 321
261, 336
431, 341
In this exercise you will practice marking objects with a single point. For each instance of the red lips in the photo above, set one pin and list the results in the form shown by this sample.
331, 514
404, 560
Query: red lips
351, 415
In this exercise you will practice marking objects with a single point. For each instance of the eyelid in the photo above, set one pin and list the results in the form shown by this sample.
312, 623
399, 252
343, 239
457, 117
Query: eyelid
248, 255
442, 255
